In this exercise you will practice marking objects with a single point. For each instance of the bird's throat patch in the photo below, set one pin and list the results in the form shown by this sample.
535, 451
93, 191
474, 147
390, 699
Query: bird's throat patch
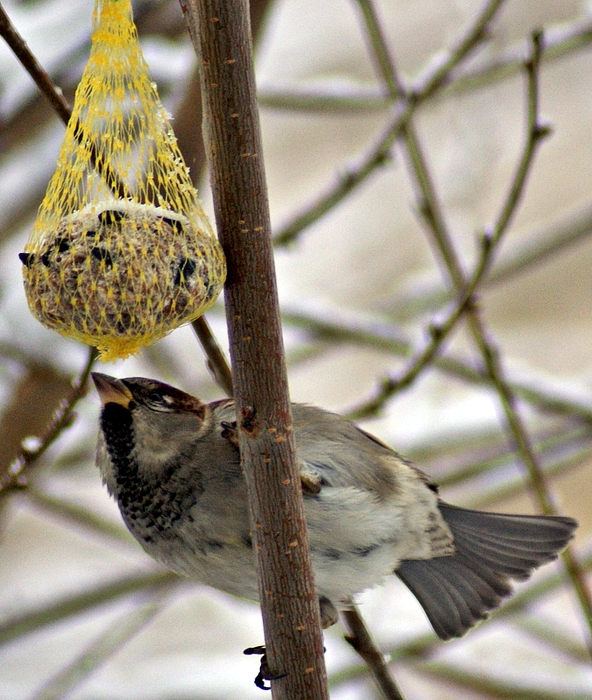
118, 429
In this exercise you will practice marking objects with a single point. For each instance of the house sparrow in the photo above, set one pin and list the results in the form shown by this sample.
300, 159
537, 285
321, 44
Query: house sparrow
172, 464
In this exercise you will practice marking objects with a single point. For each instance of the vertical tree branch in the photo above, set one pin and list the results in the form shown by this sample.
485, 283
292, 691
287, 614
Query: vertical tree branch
221, 35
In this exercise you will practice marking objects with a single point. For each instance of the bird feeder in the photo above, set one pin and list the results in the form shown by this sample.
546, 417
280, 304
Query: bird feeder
121, 252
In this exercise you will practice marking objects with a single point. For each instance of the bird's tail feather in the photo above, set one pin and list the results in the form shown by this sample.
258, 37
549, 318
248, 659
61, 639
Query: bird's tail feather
491, 548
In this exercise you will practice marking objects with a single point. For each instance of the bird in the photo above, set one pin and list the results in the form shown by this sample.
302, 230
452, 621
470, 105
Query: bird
172, 463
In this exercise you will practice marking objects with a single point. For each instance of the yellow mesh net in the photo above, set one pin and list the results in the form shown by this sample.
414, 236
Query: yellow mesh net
121, 252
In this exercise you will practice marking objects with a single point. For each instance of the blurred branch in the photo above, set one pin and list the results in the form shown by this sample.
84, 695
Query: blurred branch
78, 516
30, 408
427, 84
105, 646
559, 451
388, 337
324, 98
538, 246
541, 245
465, 679
560, 41
15, 476
515, 486
351, 178
548, 633
359, 637
77, 603
439, 70
477, 684
490, 240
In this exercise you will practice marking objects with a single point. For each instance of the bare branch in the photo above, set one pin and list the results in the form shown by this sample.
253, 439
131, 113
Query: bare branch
15, 477
215, 358
490, 241
359, 638
294, 648
427, 84
436, 227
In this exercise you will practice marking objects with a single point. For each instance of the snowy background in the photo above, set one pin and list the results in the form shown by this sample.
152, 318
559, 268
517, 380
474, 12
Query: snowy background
84, 614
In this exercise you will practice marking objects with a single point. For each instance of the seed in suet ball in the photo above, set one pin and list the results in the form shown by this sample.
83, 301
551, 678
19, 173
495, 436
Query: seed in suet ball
106, 271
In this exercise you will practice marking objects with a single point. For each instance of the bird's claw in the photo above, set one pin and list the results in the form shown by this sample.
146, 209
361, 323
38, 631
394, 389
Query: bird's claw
229, 433
264, 672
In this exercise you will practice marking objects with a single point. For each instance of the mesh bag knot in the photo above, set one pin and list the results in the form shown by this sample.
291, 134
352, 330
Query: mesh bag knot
121, 252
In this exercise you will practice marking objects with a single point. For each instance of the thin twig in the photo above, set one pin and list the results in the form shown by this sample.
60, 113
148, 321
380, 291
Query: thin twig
437, 228
489, 241
360, 639
542, 244
560, 41
427, 84
215, 358
15, 477
466, 43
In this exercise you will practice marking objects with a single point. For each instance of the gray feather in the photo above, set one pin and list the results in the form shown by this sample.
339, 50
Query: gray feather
491, 548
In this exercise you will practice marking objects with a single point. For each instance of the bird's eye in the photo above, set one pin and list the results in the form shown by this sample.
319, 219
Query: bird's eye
159, 400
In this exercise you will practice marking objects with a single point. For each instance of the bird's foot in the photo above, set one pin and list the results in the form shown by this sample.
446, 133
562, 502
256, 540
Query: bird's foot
229, 432
264, 672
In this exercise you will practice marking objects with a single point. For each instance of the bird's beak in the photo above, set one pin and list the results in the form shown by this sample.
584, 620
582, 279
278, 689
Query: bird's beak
111, 390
